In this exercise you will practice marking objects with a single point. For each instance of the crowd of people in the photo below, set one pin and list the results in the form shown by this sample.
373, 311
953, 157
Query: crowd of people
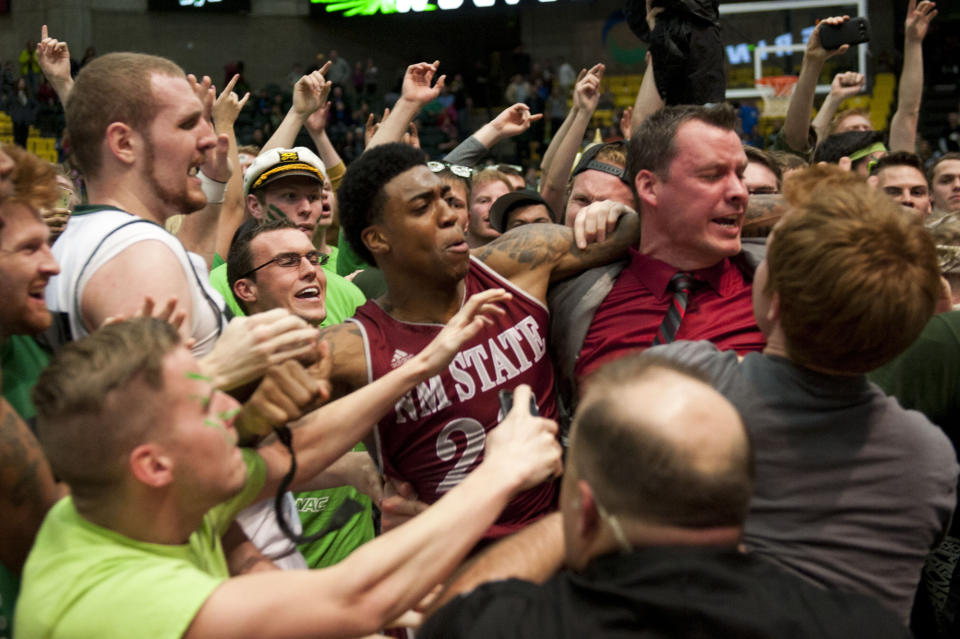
674, 386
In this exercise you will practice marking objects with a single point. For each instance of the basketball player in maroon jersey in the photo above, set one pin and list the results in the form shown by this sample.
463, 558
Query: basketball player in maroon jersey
394, 214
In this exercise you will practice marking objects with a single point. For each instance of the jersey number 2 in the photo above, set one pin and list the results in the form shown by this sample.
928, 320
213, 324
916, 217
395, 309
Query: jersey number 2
447, 449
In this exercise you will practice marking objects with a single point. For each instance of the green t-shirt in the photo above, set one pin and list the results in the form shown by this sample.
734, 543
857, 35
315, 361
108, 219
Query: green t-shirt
925, 377
83, 580
348, 261
22, 360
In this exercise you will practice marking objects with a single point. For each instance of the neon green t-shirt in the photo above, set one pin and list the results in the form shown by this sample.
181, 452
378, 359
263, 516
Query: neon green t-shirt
83, 580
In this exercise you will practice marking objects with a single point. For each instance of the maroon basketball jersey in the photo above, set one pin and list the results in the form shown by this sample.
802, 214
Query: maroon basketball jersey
435, 434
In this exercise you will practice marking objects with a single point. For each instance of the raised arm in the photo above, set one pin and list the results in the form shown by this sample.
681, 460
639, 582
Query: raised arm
510, 122
648, 98
903, 125
796, 127
534, 255
317, 128
844, 85
586, 95
309, 94
388, 575
225, 112
53, 57
418, 89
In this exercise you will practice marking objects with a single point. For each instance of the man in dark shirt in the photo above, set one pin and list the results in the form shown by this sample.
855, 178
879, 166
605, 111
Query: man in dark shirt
652, 509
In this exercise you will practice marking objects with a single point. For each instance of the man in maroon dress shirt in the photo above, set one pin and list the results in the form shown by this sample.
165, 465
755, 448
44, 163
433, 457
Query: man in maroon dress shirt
686, 165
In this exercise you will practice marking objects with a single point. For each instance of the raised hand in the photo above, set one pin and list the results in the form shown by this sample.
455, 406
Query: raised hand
418, 86
847, 84
815, 49
586, 93
625, 120
311, 91
317, 121
205, 92
167, 313
370, 129
227, 106
411, 137
53, 57
918, 19
514, 120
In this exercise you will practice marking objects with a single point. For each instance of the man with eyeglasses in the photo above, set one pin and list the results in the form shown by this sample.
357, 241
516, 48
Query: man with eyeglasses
273, 265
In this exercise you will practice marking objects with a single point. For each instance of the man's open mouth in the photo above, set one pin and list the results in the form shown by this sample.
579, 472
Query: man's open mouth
311, 292
730, 221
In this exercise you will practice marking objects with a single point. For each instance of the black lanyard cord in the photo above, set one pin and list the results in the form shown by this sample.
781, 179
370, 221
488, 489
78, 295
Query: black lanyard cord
344, 512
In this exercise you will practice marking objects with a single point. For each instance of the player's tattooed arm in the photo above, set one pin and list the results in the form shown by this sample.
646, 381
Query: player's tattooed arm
533, 255
348, 367
27, 488
763, 212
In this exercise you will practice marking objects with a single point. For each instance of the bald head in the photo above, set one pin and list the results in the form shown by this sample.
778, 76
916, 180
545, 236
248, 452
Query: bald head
658, 444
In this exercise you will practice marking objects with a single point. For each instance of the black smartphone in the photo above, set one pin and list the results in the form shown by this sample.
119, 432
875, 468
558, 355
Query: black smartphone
853, 31
506, 402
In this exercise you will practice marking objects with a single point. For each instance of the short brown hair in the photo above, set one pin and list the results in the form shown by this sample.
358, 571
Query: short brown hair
652, 143
953, 155
635, 471
787, 160
762, 157
112, 88
88, 418
857, 280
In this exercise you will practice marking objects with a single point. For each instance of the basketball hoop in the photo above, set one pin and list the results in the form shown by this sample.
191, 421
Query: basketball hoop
776, 91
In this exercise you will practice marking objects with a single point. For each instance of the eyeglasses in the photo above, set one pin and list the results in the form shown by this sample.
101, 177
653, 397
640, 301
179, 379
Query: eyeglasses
291, 260
457, 169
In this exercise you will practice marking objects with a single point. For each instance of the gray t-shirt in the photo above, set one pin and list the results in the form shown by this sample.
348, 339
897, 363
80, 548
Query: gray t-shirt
852, 491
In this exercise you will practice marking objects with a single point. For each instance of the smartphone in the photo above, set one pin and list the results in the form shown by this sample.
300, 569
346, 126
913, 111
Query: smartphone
506, 402
853, 31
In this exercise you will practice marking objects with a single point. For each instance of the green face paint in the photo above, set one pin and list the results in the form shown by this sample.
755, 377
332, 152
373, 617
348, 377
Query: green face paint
229, 414
230, 437
204, 401
199, 376
274, 213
